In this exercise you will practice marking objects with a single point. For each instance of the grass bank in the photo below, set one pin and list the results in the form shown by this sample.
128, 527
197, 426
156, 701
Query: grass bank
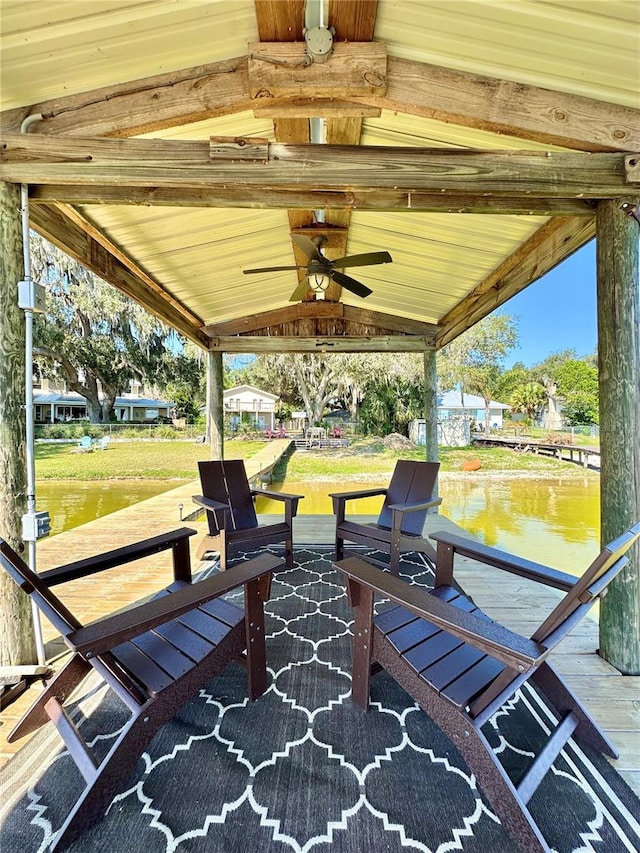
135, 460
363, 459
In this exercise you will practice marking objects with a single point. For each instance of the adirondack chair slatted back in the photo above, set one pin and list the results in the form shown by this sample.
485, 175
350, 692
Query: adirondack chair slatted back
411, 482
582, 596
55, 611
227, 482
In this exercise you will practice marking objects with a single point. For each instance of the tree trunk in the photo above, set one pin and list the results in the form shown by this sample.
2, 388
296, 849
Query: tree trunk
17, 646
215, 404
619, 385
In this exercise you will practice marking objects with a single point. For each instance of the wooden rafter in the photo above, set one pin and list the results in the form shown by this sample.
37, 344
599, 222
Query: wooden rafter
206, 91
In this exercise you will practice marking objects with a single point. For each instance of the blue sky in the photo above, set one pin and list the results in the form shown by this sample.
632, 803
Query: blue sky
558, 311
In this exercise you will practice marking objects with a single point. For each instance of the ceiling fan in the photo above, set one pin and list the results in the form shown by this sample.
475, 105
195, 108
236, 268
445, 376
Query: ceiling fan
321, 271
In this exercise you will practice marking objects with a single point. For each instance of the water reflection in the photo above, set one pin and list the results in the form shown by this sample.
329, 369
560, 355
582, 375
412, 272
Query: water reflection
553, 521
71, 503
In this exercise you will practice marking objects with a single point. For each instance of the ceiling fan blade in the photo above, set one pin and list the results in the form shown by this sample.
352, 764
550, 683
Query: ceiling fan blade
272, 269
351, 284
300, 292
365, 260
306, 245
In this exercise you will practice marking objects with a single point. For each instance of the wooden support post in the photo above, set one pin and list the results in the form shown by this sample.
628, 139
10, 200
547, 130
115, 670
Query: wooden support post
215, 405
619, 378
16, 628
431, 412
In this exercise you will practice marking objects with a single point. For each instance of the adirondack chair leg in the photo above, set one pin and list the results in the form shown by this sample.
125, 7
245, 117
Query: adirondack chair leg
563, 700
288, 550
256, 649
112, 772
63, 684
339, 548
361, 599
494, 782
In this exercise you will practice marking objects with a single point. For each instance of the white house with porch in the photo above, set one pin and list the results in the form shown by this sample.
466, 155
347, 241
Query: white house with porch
255, 405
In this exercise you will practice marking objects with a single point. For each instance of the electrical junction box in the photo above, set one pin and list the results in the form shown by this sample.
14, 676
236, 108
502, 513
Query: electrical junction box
35, 525
31, 296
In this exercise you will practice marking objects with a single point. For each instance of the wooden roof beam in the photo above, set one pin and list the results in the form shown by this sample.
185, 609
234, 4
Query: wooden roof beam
344, 343
35, 159
342, 200
319, 310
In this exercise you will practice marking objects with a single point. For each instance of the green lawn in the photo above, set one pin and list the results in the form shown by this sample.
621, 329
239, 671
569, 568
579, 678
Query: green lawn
368, 458
171, 460
147, 460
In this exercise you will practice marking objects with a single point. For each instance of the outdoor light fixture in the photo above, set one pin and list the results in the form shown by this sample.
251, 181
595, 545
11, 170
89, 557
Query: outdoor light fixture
319, 282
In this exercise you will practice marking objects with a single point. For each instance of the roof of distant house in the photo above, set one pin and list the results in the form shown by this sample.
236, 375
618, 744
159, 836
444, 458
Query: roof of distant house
243, 389
71, 398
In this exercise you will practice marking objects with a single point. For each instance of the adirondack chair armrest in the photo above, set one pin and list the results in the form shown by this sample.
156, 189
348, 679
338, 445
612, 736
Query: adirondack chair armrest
105, 634
118, 557
503, 560
517, 652
360, 493
398, 511
339, 500
209, 503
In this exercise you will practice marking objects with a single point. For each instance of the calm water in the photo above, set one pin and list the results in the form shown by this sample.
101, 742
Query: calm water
552, 521
71, 503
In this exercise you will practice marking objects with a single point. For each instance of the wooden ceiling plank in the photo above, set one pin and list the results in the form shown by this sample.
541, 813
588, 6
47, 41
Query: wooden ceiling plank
81, 240
306, 200
552, 243
36, 159
500, 106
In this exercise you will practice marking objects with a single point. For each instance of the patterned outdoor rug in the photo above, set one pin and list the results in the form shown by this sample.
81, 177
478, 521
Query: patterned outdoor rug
302, 769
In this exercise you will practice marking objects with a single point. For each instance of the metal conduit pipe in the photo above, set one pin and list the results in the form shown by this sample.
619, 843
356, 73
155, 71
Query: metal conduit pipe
29, 521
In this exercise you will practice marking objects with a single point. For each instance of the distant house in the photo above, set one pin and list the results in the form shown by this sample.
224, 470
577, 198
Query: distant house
455, 403
457, 414
244, 402
52, 404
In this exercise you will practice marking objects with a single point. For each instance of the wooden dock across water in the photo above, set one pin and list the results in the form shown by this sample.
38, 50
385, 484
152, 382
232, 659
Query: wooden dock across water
583, 455
611, 697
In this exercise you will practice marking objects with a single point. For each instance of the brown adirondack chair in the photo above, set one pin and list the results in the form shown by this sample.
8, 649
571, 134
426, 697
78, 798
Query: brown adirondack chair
399, 525
154, 657
231, 515
461, 667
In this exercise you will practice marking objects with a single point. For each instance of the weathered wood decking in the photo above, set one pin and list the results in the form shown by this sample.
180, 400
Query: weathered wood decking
612, 698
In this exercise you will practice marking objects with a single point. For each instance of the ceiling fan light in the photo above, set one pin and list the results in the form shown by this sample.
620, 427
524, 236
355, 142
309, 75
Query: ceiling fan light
319, 282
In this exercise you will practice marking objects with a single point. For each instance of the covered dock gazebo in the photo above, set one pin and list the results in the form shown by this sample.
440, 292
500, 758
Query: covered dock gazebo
168, 147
